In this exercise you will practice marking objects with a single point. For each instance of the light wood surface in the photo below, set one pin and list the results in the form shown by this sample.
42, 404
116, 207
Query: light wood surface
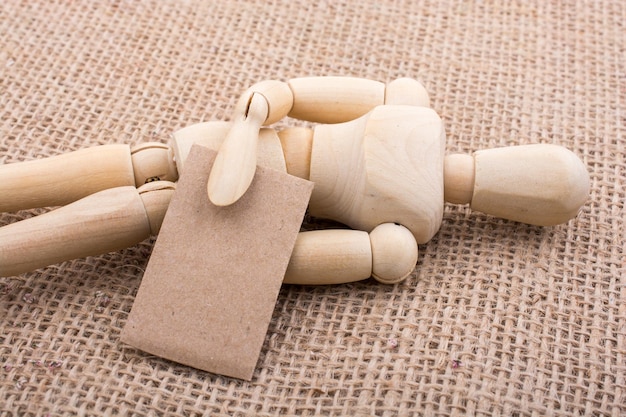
156, 198
121, 217
383, 172
406, 91
458, 174
106, 221
61, 179
212, 134
297, 143
153, 161
384, 167
538, 184
322, 257
334, 99
394, 253
236, 160
278, 96
330, 257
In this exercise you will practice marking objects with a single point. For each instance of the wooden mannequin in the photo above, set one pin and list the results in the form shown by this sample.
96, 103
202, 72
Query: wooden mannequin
377, 161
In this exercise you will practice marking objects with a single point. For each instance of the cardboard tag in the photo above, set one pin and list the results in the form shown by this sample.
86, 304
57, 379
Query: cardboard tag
208, 293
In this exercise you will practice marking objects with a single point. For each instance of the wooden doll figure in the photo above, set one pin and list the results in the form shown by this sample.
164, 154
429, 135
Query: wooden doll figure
376, 158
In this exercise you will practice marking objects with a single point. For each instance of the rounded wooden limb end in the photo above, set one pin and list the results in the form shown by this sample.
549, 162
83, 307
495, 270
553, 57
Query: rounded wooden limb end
394, 253
406, 91
278, 96
235, 163
540, 184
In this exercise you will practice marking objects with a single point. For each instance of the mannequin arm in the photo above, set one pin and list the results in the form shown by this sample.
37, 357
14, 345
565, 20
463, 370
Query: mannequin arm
539, 184
120, 217
315, 99
62, 179
106, 221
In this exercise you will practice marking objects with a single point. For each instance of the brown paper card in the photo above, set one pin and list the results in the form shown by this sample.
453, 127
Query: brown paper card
210, 287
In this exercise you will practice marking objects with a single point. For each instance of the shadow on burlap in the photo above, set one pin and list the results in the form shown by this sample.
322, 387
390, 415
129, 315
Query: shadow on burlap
498, 318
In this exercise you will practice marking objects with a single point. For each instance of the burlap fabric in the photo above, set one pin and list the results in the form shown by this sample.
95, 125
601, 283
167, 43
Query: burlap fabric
499, 318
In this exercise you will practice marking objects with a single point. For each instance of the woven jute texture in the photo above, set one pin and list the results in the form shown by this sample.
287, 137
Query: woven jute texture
498, 318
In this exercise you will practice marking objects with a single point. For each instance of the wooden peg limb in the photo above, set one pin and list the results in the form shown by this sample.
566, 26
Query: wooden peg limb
62, 179
334, 99
262, 104
236, 160
322, 257
106, 221
330, 257
342, 99
538, 184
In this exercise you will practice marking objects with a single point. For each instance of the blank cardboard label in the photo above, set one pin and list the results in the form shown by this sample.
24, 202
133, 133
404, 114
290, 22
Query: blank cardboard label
208, 293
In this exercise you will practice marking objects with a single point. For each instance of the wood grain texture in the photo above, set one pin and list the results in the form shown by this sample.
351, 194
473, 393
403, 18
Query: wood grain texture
334, 99
106, 221
394, 253
236, 160
385, 167
540, 184
297, 143
61, 179
330, 257
212, 134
